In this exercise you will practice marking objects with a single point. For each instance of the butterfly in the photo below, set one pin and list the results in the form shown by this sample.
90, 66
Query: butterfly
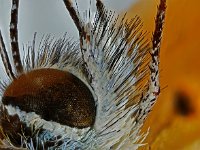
94, 93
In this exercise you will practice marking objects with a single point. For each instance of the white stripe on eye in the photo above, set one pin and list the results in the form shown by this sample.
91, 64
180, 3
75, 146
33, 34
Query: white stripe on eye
33, 120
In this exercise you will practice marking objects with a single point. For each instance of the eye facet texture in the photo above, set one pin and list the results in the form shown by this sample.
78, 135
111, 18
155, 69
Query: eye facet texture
54, 95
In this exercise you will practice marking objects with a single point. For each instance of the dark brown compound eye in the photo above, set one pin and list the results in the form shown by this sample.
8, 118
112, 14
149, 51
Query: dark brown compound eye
55, 95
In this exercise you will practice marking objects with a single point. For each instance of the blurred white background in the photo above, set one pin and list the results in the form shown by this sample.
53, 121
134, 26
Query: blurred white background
47, 16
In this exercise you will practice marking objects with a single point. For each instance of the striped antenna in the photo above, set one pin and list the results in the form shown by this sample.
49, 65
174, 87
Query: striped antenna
156, 42
14, 36
150, 97
74, 15
82, 33
5, 59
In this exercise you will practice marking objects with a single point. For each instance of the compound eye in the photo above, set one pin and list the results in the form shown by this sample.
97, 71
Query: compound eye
55, 95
